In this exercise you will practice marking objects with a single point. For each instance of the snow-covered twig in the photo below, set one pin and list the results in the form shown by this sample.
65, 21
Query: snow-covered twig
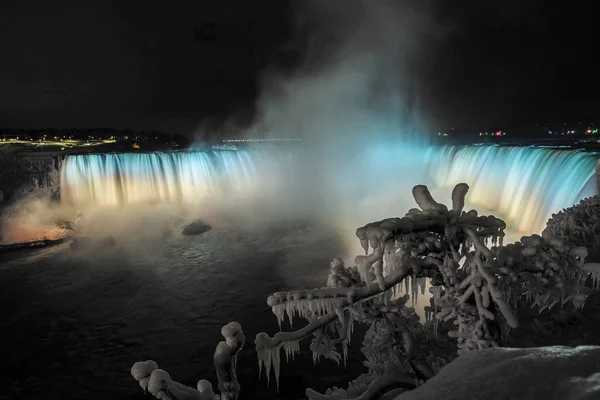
159, 384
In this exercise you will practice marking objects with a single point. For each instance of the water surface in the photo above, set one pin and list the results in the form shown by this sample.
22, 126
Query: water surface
76, 320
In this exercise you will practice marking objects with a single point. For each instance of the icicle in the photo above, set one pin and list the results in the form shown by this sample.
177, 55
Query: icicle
264, 358
437, 294
279, 313
291, 349
312, 305
331, 305
592, 270
275, 355
289, 309
324, 306
350, 327
414, 290
339, 312
363, 267
319, 304
306, 312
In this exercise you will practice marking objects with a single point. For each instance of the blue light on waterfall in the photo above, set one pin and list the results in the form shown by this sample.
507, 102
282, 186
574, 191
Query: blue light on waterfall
522, 185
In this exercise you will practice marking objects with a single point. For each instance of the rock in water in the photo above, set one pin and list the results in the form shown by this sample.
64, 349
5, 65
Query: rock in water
196, 228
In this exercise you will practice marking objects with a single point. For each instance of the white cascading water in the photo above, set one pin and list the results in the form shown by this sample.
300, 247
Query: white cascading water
522, 185
166, 177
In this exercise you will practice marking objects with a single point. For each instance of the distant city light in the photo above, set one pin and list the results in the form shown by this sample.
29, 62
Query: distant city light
261, 140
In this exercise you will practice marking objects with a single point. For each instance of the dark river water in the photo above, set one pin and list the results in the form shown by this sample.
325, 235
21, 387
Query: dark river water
74, 321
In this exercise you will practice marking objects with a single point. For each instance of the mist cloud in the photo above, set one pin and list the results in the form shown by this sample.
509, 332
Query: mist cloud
355, 102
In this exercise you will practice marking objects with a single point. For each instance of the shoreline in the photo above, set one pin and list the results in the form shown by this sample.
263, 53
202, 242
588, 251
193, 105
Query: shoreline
4, 248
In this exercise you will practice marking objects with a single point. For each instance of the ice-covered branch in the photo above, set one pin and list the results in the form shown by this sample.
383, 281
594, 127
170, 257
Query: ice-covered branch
488, 286
579, 225
409, 341
225, 360
328, 303
458, 197
425, 200
263, 341
547, 270
159, 384
401, 247
474, 286
377, 388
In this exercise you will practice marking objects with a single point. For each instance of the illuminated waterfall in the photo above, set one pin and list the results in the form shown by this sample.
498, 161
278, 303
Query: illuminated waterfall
522, 185
173, 177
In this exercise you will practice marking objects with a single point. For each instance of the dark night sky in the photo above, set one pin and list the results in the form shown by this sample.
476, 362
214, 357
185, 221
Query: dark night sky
167, 65
521, 61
